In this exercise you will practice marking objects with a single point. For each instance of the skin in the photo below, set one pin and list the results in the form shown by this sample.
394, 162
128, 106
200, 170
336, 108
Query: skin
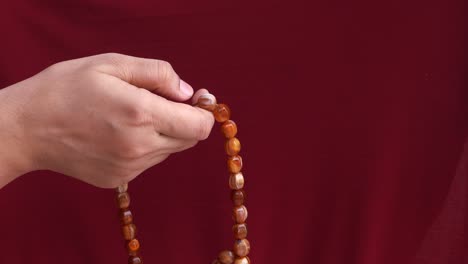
102, 119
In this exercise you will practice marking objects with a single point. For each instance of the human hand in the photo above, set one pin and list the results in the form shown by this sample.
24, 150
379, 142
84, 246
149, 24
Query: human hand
102, 119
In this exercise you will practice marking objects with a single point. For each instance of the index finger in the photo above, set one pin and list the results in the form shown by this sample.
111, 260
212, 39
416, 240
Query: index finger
179, 120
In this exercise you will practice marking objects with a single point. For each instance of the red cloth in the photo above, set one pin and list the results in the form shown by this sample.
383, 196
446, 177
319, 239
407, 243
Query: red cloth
352, 116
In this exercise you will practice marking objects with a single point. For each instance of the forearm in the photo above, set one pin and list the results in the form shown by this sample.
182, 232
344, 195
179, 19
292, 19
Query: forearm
14, 157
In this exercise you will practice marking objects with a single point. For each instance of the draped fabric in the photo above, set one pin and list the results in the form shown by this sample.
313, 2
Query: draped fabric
352, 117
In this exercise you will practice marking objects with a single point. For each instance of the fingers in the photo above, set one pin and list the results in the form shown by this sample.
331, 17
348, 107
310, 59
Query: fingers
153, 75
178, 120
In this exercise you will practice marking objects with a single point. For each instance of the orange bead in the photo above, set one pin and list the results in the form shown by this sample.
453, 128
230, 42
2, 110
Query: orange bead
242, 247
129, 231
135, 260
207, 102
236, 181
226, 257
240, 214
238, 197
222, 113
234, 164
126, 217
240, 231
232, 146
229, 129
133, 246
123, 200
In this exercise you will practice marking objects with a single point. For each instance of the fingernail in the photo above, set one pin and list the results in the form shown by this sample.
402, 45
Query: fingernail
186, 89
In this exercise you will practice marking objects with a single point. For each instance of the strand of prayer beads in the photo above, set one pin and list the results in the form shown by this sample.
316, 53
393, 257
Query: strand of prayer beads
222, 114
128, 228
241, 249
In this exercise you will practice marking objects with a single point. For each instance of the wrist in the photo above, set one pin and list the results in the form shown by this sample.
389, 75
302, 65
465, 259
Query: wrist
15, 152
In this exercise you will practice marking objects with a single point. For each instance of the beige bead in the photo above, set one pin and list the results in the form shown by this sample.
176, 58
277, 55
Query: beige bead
236, 181
242, 247
207, 102
122, 188
244, 260
240, 214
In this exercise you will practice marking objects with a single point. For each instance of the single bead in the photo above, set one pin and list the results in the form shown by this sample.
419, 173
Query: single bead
226, 257
129, 231
135, 260
236, 181
124, 200
238, 197
242, 247
229, 129
234, 164
240, 214
240, 231
126, 217
133, 246
122, 188
244, 260
207, 102
232, 146
222, 113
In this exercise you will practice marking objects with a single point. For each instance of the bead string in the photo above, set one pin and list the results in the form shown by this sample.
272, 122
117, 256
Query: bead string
241, 248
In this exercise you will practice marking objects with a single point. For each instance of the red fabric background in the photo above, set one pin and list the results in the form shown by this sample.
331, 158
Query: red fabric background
352, 115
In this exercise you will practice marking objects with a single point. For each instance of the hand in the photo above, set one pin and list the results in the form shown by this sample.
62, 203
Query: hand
102, 119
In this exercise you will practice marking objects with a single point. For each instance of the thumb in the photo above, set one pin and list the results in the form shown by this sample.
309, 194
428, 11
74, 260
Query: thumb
156, 76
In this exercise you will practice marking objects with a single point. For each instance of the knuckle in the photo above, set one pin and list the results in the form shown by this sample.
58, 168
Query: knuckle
136, 114
112, 62
110, 57
164, 70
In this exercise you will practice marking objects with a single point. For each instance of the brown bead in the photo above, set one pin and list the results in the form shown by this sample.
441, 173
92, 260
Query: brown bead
232, 146
242, 247
229, 129
234, 164
221, 113
123, 200
240, 214
244, 260
240, 231
236, 181
238, 197
207, 102
135, 260
126, 217
129, 231
133, 246
226, 257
